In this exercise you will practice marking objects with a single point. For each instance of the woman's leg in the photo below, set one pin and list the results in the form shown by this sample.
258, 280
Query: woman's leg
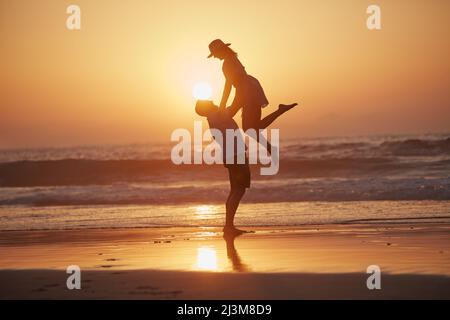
268, 120
251, 116
251, 119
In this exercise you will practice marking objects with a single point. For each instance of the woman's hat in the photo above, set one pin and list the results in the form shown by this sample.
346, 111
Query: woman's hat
216, 46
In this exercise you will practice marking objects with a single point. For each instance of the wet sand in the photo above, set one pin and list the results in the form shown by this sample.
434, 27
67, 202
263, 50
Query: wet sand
324, 262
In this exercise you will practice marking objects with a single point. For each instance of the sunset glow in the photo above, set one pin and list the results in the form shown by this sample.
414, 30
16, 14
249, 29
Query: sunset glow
129, 74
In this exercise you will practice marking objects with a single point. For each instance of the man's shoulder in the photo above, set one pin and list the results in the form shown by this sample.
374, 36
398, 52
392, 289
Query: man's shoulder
213, 119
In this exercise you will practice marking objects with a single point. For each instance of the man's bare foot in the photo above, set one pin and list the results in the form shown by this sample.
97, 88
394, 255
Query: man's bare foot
286, 107
232, 230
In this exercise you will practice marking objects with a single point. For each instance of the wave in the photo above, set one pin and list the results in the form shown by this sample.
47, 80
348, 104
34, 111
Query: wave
417, 147
368, 148
102, 172
261, 191
302, 148
397, 220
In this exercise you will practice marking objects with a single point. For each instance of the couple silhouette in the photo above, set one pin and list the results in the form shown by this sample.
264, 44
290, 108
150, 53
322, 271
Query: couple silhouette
250, 97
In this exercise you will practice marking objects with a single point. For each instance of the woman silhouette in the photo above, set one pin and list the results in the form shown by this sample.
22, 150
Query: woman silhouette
249, 94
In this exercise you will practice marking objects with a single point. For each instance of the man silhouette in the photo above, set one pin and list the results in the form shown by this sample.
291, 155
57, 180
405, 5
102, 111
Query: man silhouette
239, 174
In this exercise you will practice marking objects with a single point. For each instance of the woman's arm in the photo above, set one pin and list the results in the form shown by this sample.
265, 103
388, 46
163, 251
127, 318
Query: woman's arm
234, 108
225, 95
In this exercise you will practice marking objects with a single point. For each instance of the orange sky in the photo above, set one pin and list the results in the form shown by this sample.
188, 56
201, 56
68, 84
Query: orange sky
127, 75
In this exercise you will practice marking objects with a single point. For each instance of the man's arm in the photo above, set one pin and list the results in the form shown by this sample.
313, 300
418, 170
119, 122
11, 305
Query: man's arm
234, 108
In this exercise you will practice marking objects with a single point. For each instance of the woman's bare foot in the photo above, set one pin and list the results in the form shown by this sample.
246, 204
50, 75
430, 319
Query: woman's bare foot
286, 107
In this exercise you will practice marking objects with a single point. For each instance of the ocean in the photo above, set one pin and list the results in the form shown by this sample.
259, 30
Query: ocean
321, 180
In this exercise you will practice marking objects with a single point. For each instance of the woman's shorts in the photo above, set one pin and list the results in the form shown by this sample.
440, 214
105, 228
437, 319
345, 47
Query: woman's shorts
251, 97
250, 93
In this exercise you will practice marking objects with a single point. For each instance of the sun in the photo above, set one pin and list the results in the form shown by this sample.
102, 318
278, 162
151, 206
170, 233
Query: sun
202, 91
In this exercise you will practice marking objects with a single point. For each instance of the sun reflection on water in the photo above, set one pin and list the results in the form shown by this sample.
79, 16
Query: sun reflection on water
206, 259
205, 212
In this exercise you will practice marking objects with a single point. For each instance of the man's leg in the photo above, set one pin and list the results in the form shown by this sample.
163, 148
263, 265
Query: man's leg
234, 198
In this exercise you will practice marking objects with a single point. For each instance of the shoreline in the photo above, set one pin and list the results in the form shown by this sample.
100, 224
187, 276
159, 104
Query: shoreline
377, 223
253, 215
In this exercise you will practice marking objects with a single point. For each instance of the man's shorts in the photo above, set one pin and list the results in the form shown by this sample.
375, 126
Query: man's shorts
239, 175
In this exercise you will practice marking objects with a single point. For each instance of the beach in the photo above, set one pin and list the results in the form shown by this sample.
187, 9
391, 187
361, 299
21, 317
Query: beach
297, 262
140, 227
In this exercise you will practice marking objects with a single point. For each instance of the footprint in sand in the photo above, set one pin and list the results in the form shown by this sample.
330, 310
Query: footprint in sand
147, 288
153, 292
